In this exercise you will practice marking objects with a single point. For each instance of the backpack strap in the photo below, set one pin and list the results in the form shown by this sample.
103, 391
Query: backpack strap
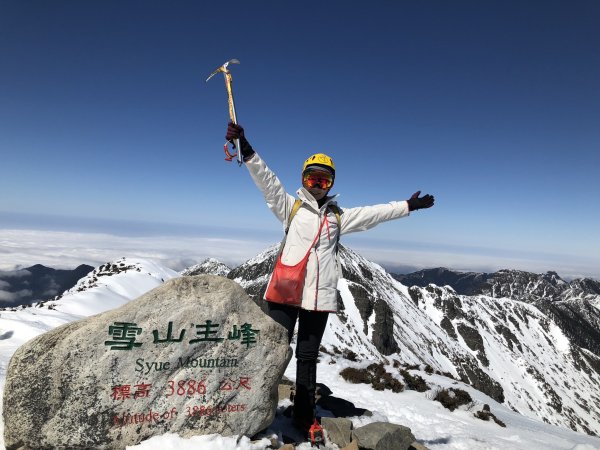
338, 214
295, 208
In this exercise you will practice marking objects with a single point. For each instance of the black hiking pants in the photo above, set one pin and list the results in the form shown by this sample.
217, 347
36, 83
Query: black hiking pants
311, 326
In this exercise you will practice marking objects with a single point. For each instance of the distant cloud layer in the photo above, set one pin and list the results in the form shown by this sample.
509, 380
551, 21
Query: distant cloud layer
6, 296
14, 273
23, 248
485, 260
57, 249
7, 293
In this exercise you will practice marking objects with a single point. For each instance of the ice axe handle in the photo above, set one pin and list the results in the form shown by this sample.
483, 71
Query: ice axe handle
232, 114
239, 151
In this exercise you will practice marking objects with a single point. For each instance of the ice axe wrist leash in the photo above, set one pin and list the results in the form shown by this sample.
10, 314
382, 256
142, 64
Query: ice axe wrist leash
227, 74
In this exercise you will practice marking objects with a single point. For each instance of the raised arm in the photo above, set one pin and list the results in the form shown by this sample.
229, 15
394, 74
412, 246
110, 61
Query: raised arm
278, 200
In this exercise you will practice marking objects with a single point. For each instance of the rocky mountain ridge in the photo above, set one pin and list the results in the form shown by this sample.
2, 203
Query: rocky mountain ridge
574, 305
515, 284
512, 350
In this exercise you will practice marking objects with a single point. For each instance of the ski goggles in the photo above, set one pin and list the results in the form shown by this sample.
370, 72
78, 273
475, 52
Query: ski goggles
317, 179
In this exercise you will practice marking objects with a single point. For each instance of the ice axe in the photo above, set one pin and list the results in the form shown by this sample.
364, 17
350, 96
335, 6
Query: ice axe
227, 74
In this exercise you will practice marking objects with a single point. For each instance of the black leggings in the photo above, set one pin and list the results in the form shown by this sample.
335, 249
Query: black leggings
311, 326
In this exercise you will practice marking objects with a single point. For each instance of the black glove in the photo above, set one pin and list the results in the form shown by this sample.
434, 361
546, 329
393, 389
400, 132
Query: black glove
237, 132
415, 202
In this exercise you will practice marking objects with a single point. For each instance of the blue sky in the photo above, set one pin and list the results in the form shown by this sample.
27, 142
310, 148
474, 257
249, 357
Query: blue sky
107, 125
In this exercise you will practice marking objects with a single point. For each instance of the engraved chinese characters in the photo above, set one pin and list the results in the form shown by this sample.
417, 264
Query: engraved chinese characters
193, 356
124, 334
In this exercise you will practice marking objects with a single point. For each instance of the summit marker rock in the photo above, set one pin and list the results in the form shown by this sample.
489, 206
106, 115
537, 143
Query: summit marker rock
193, 356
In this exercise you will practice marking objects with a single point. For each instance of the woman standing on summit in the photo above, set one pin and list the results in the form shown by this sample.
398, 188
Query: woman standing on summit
303, 286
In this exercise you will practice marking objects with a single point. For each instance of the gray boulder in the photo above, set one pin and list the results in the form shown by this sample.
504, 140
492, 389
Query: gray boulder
193, 356
339, 430
383, 436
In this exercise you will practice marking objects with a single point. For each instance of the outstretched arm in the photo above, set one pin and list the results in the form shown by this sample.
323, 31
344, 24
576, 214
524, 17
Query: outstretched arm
278, 200
365, 217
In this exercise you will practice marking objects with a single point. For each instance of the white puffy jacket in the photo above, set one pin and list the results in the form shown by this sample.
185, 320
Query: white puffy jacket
322, 272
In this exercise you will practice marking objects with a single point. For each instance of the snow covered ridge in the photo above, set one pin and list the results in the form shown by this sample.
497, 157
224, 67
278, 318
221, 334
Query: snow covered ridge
513, 284
507, 350
110, 286
574, 306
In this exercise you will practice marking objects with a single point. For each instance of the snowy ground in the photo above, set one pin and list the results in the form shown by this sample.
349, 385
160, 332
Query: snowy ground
433, 425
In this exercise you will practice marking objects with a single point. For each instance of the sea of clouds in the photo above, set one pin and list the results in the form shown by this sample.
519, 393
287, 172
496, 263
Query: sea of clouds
21, 248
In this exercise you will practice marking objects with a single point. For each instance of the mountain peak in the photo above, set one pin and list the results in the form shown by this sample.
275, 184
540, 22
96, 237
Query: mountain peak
209, 266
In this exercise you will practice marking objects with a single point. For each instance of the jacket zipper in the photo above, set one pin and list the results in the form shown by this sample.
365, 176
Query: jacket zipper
318, 265
317, 286
326, 219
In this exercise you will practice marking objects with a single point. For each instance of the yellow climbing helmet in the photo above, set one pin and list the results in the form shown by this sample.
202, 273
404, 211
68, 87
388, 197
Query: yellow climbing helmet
319, 159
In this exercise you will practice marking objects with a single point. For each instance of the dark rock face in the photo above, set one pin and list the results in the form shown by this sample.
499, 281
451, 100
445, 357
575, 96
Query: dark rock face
451, 307
364, 302
447, 326
383, 336
37, 283
474, 340
511, 340
472, 374
383, 330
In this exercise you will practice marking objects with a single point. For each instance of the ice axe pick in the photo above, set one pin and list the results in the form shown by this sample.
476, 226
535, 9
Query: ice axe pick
227, 74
